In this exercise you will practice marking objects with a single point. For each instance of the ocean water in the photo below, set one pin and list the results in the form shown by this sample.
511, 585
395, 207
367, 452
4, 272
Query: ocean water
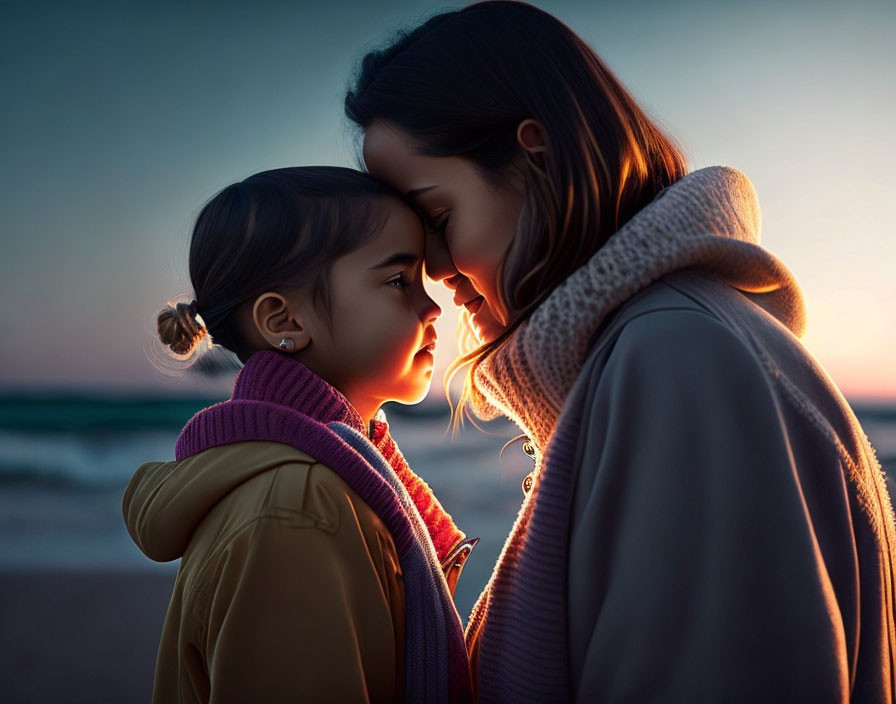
65, 462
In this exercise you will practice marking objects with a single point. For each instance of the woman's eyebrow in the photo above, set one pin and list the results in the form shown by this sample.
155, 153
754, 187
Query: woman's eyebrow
406, 258
413, 193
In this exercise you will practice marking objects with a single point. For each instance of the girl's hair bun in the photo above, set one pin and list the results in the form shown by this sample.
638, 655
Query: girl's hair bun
180, 327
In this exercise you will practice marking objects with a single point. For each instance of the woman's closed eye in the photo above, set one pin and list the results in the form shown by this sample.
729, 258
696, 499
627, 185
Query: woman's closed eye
442, 225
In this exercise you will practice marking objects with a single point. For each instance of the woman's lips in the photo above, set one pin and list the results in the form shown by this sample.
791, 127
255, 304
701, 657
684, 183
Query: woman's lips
474, 305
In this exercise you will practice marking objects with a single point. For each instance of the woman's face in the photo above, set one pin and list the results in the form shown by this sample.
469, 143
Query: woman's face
472, 223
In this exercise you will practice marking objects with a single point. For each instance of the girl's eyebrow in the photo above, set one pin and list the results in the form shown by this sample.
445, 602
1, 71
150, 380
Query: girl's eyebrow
406, 258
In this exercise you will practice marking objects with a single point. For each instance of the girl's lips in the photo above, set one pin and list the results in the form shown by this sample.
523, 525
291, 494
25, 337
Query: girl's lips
427, 349
474, 305
426, 356
430, 347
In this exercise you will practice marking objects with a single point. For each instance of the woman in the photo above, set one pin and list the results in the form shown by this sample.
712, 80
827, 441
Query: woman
706, 520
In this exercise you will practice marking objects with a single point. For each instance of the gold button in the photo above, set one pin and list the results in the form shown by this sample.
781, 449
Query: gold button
527, 483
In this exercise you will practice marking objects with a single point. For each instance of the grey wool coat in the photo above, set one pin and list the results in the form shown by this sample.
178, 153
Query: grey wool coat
708, 522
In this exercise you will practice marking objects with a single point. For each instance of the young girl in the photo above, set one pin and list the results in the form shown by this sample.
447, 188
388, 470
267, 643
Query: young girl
311, 556
707, 521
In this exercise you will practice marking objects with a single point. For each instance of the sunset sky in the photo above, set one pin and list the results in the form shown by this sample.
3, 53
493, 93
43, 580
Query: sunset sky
120, 120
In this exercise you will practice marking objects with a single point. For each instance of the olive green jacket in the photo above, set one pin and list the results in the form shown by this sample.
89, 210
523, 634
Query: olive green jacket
289, 584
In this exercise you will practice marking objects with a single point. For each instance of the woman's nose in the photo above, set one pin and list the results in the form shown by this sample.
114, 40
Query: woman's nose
437, 260
430, 309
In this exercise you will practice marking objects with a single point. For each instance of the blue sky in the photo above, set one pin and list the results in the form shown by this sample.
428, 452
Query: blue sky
121, 119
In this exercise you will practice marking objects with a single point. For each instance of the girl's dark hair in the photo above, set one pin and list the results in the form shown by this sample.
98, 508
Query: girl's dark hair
461, 83
280, 228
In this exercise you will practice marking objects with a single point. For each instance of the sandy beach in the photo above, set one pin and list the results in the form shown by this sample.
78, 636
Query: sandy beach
77, 637
82, 608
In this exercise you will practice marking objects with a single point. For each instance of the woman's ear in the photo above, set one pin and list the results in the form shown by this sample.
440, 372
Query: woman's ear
531, 138
280, 322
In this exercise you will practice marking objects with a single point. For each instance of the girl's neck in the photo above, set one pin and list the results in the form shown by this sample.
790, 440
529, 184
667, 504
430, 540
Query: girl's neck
366, 408
278, 378
368, 413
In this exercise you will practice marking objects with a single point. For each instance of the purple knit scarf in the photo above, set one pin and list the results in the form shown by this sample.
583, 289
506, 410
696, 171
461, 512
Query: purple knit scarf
278, 399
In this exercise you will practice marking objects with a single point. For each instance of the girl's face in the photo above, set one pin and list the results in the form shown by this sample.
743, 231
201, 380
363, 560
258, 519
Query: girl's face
380, 341
472, 224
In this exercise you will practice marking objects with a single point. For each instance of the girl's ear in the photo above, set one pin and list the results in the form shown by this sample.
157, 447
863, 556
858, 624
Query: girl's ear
530, 135
280, 322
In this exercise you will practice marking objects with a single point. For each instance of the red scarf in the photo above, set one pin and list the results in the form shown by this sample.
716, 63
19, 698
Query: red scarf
444, 533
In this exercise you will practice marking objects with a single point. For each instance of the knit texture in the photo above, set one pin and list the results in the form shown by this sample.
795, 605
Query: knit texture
271, 377
445, 535
278, 399
710, 221
439, 649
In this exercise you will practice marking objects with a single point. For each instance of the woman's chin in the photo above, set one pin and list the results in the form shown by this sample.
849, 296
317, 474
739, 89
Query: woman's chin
486, 330
485, 324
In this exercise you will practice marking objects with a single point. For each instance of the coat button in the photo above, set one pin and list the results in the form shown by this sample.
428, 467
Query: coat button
529, 448
528, 481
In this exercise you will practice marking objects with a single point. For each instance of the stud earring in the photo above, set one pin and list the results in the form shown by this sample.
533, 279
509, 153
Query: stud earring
287, 345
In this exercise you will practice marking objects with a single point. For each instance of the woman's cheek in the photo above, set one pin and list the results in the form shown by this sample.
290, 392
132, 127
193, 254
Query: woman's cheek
472, 262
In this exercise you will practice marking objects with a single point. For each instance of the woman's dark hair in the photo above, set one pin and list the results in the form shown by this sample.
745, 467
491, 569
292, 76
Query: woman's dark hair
462, 82
280, 228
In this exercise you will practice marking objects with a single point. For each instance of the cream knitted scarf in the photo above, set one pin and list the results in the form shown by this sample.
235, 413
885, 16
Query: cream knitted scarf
709, 219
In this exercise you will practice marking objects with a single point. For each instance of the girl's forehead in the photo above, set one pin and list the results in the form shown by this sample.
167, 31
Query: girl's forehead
401, 234
402, 227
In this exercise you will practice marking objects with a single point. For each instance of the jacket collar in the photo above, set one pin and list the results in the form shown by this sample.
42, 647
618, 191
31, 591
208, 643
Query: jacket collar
268, 389
709, 220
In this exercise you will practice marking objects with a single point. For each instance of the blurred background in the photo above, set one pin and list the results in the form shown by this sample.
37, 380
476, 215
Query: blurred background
120, 119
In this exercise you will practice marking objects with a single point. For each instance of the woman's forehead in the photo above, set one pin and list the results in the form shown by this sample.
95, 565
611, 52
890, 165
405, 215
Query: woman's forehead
378, 148
388, 155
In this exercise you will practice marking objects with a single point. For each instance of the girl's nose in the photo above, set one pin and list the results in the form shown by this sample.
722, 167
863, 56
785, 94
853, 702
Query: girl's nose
437, 260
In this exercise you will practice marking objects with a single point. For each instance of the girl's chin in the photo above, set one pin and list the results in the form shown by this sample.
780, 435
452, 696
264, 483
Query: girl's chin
412, 398
424, 356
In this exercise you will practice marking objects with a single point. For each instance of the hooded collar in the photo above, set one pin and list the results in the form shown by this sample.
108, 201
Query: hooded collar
709, 220
278, 399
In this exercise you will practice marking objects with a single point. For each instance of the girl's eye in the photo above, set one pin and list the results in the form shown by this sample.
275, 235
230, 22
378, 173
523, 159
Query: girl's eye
398, 282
